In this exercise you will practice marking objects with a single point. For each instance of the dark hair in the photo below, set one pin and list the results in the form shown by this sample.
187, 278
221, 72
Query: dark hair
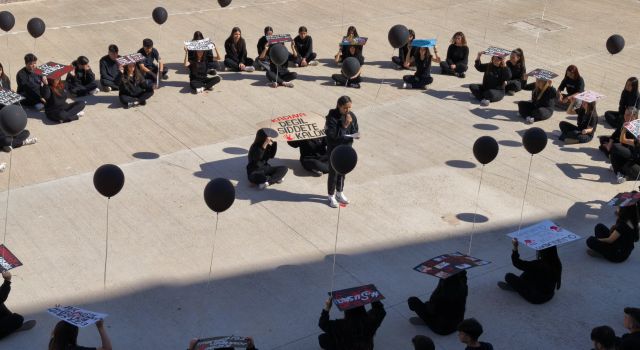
113, 48
56, 88
261, 136
549, 256
343, 100
267, 29
354, 30
471, 327
604, 335
134, 79
147, 43
2, 75
573, 69
464, 38
520, 54
197, 35
64, 335
302, 29
634, 85
30, 58
422, 342
82, 60
412, 33
629, 215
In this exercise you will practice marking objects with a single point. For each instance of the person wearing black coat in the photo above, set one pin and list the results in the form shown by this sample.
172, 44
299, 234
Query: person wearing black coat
10, 322
540, 107
262, 61
236, 53
539, 279
313, 154
199, 80
57, 108
259, 171
406, 53
422, 76
625, 156
110, 70
279, 75
616, 243
148, 66
495, 76
607, 142
586, 128
134, 89
518, 69
355, 331
446, 306
628, 98
302, 48
341, 79
341, 127
574, 84
631, 340
29, 83
457, 60
81, 81
212, 60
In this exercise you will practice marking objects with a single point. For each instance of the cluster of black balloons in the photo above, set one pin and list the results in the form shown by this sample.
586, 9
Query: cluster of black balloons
615, 44
35, 26
485, 149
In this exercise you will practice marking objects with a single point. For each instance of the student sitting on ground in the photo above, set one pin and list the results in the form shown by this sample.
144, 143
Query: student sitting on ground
56, 107
236, 53
607, 142
134, 89
629, 98
198, 70
574, 84
340, 79
518, 71
29, 83
631, 340
213, 60
355, 331
9, 321
313, 154
616, 243
279, 75
495, 76
457, 56
262, 61
148, 65
81, 81
5, 82
469, 331
65, 337
406, 53
259, 171
604, 338
352, 36
625, 156
586, 128
542, 101
302, 47
110, 70
422, 77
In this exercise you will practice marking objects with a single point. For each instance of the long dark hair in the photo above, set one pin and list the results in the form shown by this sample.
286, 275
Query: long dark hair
629, 215
3, 76
352, 29
236, 46
520, 54
56, 85
134, 79
573, 69
197, 35
549, 256
634, 85
261, 136
64, 335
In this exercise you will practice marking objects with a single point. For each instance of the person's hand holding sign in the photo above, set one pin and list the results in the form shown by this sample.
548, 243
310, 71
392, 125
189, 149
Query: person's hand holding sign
328, 304
267, 142
6, 275
479, 55
515, 244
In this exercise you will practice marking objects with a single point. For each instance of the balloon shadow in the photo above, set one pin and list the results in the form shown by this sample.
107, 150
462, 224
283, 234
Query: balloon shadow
234, 150
486, 126
510, 143
146, 155
462, 164
497, 114
449, 95
468, 217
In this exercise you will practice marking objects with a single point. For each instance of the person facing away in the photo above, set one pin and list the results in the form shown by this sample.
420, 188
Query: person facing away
604, 338
616, 243
631, 340
29, 83
56, 108
65, 337
10, 322
259, 171
134, 89
355, 331
313, 154
540, 277
110, 70
445, 308
469, 331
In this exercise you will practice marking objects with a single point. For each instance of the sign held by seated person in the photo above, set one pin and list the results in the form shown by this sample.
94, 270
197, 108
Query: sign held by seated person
53, 70
350, 298
76, 316
544, 235
199, 45
298, 126
447, 265
8, 260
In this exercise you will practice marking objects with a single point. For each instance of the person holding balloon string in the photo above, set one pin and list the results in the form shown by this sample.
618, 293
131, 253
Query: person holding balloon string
134, 88
607, 142
586, 125
516, 65
262, 61
543, 98
278, 73
628, 98
198, 71
616, 243
457, 60
236, 52
263, 148
406, 53
56, 108
29, 83
494, 79
574, 84
110, 70
302, 48
422, 77
148, 66
350, 73
213, 61
351, 37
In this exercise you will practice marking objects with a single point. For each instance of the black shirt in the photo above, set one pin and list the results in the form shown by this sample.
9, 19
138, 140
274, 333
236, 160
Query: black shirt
587, 121
259, 157
494, 77
457, 54
630, 341
5, 83
304, 47
423, 66
109, 69
573, 85
198, 70
150, 58
335, 132
518, 71
628, 99
55, 103
27, 80
354, 335
547, 100
261, 44
402, 52
536, 272
483, 346
236, 51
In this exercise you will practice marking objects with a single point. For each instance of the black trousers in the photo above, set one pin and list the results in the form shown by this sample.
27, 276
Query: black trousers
427, 313
14, 142
327, 342
281, 77
110, 83
315, 164
335, 181
614, 118
572, 132
125, 99
68, 113
527, 290
270, 174
206, 83
607, 250
153, 73
9, 324
235, 65
620, 155
493, 95
82, 90
445, 68
32, 97
528, 109
298, 60
417, 83
342, 80
514, 85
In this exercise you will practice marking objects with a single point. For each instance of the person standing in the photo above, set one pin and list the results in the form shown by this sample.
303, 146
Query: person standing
110, 70
9, 321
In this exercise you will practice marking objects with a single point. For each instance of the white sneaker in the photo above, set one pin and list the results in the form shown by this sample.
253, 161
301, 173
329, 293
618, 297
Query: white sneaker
199, 90
249, 69
3, 167
405, 85
620, 178
262, 186
107, 89
133, 104
94, 91
280, 181
342, 198
484, 102
80, 114
314, 63
333, 203
529, 120
39, 106
287, 84
30, 141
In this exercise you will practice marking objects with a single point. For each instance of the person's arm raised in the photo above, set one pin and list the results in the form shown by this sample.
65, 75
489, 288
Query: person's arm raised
104, 337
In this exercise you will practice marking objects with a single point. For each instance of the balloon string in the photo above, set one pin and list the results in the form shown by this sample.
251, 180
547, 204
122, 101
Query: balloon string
213, 249
544, 9
106, 250
475, 213
335, 251
8, 60
382, 80
526, 186
6, 210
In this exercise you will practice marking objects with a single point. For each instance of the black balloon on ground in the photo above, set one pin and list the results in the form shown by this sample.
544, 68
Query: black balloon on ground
219, 194
36, 27
159, 15
278, 54
108, 180
615, 44
7, 21
398, 36
350, 67
343, 159
224, 3
13, 119
534, 140
485, 149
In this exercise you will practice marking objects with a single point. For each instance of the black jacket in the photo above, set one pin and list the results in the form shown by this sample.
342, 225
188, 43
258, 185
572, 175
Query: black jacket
402, 52
352, 335
27, 80
630, 341
423, 67
537, 273
4, 294
55, 104
587, 121
357, 55
5, 83
82, 77
336, 133
304, 48
259, 157
208, 55
129, 87
448, 303
261, 44
494, 77
458, 54
573, 85
198, 70
518, 71
547, 100
311, 149
109, 69
237, 53
628, 99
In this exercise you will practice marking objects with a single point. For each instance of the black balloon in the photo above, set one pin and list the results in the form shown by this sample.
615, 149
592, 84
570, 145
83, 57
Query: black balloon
36, 27
534, 140
485, 149
278, 54
7, 21
108, 180
615, 44
398, 36
159, 15
343, 159
350, 67
219, 194
13, 119
224, 3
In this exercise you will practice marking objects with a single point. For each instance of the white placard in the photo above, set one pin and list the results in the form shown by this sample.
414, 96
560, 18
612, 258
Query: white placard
76, 316
543, 235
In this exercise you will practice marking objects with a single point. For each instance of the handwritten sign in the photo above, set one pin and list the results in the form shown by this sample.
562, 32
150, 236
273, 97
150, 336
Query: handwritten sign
496, 51
589, 96
199, 45
8, 97
53, 70
8, 261
132, 58
625, 199
279, 38
230, 341
358, 296
544, 235
542, 74
633, 127
424, 42
447, 265
299, 126
76, 316
347, 41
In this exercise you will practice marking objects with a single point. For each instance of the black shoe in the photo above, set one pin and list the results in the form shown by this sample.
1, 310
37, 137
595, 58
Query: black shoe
505, 286
142, 102
27, 326
510, 93
165, 76
212, 72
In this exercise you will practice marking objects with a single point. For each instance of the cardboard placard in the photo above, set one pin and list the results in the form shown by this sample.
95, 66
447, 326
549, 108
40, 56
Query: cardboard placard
625, 199
76, 316
346, 41
8, 260
589, 96
424, 42
279, 38
298, 126
358, 296
53, 70
199, 45
542, 74
8, 97
496, 51
231, 341
543, 235
633, 127
132, 58
447, 265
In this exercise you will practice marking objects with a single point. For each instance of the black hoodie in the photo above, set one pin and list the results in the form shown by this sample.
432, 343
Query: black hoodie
235, 52
335, 132
494, 77
304, 47
354, 332
109, 69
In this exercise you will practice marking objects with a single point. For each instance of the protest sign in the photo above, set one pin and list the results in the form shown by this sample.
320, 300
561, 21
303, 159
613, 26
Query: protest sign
589, 96
543, 235
8, 261
299, 126
76, 316
279, 38
199, 45
496, 51
132, 58
53, 70
346, 41
8, 97
633, 127
625, 199
353, 297
542, 74
230, 341
447, 265
423, 42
